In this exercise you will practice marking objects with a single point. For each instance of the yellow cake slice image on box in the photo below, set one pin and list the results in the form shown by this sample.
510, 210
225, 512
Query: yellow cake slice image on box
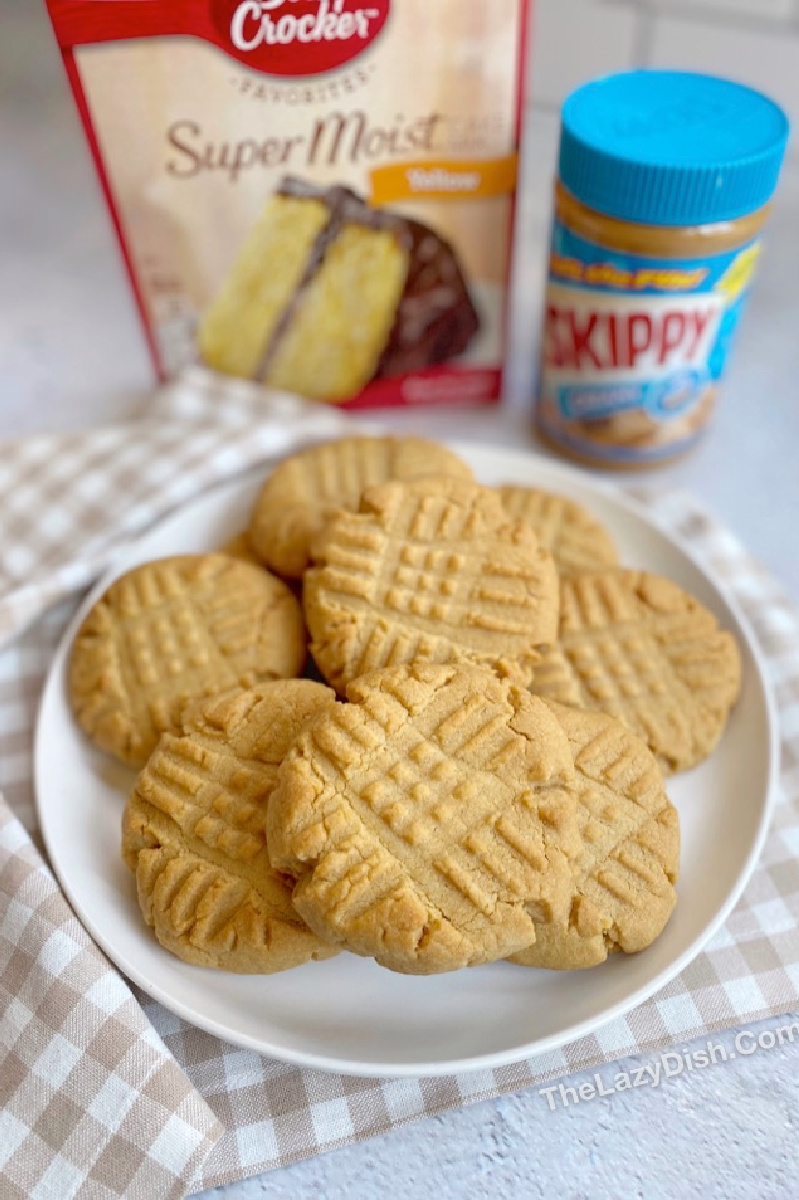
327, 293
239, 324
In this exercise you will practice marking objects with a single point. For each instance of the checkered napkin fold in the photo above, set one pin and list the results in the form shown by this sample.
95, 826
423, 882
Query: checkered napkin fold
102, 1091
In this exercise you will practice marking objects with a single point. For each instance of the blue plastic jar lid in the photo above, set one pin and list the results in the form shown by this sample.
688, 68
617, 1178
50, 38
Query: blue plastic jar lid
671, 147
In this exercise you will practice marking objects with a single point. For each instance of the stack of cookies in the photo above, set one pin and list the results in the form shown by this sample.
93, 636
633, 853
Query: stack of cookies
476, 768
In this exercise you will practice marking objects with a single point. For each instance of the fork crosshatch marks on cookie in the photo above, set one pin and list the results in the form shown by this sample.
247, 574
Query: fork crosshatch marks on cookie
430, 820
172, 630
638, 647
194, 832
430, 569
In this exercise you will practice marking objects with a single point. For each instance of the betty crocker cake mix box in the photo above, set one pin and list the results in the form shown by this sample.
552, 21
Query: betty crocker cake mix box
317, 194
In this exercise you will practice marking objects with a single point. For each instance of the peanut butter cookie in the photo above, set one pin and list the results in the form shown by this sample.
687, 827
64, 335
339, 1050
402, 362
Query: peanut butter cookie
576, 539
638, 647
194, 832
304, 489
239, 547
173, 630
431, 821
624, 875
431, 569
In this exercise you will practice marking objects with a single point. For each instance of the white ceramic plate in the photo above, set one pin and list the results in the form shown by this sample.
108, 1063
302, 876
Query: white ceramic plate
348, 1014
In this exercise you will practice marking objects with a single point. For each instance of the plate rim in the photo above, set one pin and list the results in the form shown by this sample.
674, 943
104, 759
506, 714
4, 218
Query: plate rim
488, 1061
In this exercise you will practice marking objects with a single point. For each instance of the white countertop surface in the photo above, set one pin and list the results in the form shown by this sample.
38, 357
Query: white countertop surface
71, 353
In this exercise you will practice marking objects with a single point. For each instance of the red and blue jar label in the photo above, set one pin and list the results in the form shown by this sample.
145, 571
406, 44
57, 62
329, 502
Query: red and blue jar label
634, 347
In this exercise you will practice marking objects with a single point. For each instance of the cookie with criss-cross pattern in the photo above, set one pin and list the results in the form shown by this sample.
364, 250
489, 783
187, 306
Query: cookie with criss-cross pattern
431, 569
638, 647
624, 875
430, 822
577, 540
306, 488
173, 630
194, 832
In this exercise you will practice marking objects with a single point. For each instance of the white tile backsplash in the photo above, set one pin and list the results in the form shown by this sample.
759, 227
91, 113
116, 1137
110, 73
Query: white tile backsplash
573, 40
755, 41
763, 59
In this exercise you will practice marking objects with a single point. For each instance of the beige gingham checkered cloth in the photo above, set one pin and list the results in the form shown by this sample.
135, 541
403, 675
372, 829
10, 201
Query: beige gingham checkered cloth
103, 1092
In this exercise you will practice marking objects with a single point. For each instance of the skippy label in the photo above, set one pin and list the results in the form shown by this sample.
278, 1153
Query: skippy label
634, 346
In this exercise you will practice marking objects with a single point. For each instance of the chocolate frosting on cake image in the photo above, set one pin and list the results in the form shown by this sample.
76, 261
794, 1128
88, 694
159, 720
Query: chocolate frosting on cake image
436, 318
327, 294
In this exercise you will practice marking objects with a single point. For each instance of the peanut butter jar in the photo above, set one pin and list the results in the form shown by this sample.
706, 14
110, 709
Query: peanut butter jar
664, 180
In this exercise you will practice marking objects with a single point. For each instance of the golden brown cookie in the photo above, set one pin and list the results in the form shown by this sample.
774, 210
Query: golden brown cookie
430, 569
239, 547
638, 647
430, 822
303, 491
172, 630
576, 539
194, 832
624, 875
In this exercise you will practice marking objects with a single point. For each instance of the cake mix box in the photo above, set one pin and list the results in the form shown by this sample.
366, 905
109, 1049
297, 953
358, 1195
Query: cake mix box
316, 194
